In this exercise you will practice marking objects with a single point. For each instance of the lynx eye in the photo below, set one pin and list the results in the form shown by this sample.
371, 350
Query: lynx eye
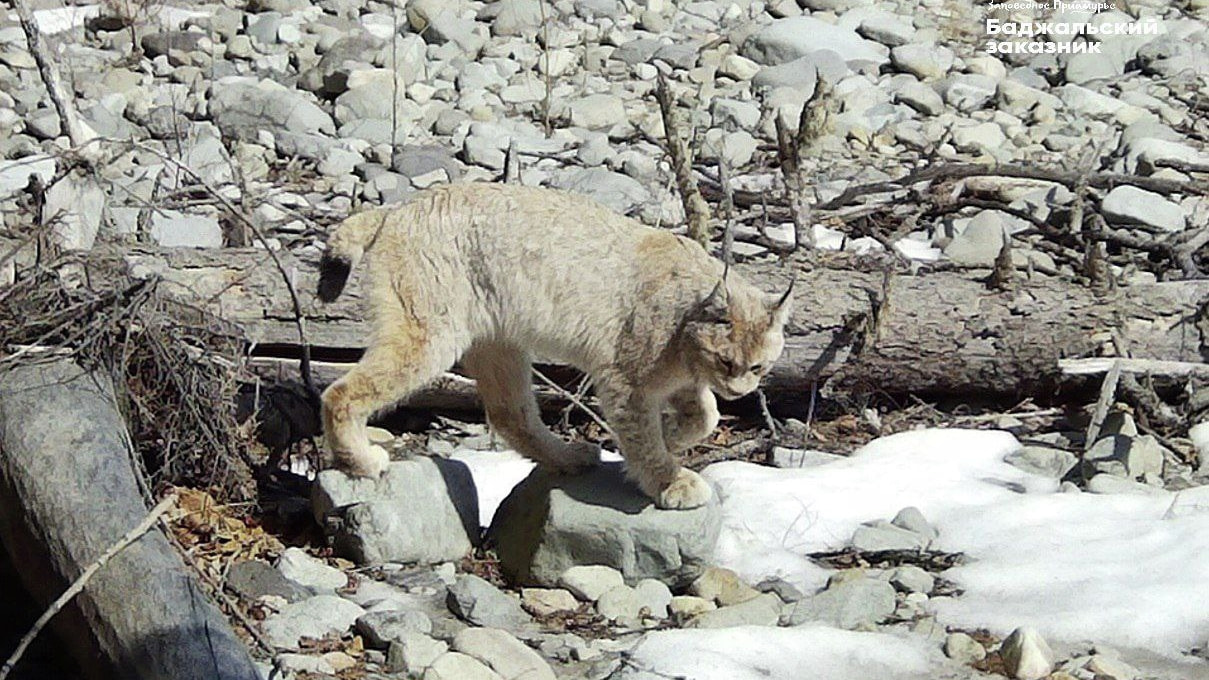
727, 364
757, 368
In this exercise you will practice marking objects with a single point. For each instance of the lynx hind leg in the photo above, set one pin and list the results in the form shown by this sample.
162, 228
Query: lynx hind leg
648, 462
503, 375
693, 416
396, 365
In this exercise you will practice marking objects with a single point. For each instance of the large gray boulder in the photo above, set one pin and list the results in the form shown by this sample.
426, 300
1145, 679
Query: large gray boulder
851, 603
785, 40
73, 207
419, 510
241, 107
550, 523
615, 190
1137, 458
330, 75
1131, 205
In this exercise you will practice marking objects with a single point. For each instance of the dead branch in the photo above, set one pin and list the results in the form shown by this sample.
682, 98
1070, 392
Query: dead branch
814, 119
1108, 393
1184, 251
64, 105
1003, 273
287, 276
1170, 369
1185, 167
696, 210
728, 213
546, 98
950, 171
78, 585
791, 175
1149, 405
512, 165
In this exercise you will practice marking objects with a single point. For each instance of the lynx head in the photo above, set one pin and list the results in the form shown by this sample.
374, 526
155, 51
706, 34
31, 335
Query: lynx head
737, 332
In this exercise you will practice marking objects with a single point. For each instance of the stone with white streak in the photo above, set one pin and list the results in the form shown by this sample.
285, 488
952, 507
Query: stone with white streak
1026, 656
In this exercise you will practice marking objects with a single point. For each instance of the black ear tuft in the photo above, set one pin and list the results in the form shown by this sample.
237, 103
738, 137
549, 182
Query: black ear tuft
715, 308
785, 297
779, 307
333, 274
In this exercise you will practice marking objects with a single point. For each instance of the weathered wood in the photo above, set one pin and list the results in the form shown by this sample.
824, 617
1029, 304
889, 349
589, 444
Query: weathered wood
1155, 367
67, 493
450, 392
937, 333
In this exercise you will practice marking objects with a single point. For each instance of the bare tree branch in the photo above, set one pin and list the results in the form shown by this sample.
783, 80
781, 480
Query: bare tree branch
64, 104
696, 210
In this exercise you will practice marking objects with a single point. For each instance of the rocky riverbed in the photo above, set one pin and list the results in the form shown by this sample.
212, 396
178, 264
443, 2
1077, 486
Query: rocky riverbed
927, 554
937, 554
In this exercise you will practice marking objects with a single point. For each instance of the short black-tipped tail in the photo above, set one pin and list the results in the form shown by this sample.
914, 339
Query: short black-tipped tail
333, 274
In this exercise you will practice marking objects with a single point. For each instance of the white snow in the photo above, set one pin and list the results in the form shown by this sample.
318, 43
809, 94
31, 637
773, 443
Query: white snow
496, 472
758, 653
1122, 570
1127, 571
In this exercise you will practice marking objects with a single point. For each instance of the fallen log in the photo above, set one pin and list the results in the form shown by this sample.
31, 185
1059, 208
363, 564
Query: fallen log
68, 492
937, 333
449, 392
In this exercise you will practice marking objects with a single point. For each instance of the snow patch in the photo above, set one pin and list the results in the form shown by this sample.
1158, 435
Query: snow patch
495, 473
1122, 570
758, 653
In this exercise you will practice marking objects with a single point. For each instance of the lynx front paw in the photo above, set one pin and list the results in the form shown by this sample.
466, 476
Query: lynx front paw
371, 462
687, 490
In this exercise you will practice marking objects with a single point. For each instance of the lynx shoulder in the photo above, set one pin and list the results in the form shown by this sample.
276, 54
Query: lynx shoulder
493, 275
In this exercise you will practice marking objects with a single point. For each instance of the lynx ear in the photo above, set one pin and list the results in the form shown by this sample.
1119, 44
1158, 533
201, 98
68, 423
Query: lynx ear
780, 307
715, 308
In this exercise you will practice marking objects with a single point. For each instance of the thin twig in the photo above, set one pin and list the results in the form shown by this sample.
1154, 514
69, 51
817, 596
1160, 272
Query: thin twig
575, 400
74, 589
814, 395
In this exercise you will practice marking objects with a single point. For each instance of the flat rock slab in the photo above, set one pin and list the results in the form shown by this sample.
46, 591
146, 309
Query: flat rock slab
549, 524
419, 510
313, 618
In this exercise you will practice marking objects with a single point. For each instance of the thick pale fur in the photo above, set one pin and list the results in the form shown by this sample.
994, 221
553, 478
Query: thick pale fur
494, 274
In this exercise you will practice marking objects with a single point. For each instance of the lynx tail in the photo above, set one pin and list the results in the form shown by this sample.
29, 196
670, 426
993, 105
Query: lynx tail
344, 249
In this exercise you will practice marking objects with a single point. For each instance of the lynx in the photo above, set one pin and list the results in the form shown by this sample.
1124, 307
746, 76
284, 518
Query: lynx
494, 275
